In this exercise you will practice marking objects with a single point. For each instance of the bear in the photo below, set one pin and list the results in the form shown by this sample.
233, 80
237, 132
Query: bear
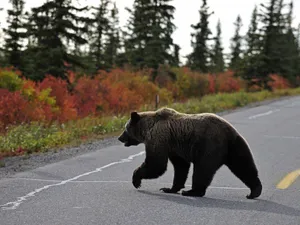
205, 140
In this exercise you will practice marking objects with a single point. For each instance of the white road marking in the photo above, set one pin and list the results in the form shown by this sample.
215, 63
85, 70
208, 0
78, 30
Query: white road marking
263, 114
121, 181
15, 204
282, 137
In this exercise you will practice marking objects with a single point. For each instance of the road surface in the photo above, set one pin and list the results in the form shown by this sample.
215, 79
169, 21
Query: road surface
95, 188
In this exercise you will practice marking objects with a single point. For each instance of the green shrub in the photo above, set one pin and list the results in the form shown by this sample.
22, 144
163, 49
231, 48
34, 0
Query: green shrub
10, 80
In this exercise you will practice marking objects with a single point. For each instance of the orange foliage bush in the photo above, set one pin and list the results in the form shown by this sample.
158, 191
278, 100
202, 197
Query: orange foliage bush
12, 108
278, 82
89, 96
226, 82
116, 92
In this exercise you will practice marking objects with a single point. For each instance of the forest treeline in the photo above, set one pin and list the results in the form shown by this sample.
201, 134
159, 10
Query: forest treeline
56, 37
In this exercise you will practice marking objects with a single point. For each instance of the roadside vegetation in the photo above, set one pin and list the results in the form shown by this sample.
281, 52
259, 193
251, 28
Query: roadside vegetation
71, 74
38, 116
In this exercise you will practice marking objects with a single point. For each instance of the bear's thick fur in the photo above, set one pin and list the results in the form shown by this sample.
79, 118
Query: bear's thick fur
206, 140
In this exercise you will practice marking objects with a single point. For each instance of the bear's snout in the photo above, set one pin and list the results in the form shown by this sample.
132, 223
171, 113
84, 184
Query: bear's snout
123, 137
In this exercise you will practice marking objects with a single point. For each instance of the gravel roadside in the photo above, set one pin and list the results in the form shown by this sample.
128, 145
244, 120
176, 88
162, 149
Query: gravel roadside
12, 165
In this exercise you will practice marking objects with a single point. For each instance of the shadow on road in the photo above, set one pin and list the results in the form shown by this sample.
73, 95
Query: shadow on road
251, 205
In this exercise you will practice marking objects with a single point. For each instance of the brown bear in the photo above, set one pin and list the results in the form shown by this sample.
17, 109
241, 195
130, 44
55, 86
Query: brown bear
206, 140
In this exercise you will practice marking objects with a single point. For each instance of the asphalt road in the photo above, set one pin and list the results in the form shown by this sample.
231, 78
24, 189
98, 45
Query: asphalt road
96, 188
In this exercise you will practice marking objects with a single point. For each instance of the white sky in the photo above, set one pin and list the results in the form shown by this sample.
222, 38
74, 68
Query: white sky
186, 14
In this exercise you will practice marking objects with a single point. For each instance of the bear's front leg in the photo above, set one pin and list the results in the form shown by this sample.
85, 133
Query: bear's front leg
138, 176
153, 167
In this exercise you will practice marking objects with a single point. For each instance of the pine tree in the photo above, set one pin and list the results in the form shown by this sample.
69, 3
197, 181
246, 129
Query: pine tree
15, 34
2, 61
252, 58
113, 42
98, 34
176, 56
273, 41
137, 35
217, 60
289, 64
198, 59
252, 36
236, 47
298, 48
159, 46
53, 26
149, 43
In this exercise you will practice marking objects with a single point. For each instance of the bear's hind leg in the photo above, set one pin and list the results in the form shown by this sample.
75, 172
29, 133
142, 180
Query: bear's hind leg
248, 176
181, 169
241, 164
203, 174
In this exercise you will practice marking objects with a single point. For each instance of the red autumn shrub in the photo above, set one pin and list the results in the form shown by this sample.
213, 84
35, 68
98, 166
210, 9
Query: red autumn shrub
226, 82
212, 84
122, 100
278, 82
13, 108
63, 99
135, 84
89, 96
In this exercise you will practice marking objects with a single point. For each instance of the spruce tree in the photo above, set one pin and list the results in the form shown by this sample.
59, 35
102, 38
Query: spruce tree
252, 58
2, 61
53, 26
15, 33
236, 47
176, 56
113, 40
217, 60
289, 64
158, 49
137, 35
149, 43
198, 59
272, 19
98, 33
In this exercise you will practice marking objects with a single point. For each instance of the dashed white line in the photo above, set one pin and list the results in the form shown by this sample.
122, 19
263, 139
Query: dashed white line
20, 200
263, 114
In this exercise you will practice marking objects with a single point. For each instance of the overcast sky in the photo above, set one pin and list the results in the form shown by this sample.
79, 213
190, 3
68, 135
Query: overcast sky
186, 14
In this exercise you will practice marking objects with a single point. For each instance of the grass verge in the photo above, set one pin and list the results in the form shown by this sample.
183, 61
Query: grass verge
35, 137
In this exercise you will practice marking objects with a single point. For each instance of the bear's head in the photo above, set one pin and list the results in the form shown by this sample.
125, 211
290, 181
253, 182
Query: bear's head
138, 127
132, 135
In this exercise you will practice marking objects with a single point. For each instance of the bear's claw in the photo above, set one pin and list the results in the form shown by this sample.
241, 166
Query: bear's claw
168, 190
255, 193
137, 183
193, 193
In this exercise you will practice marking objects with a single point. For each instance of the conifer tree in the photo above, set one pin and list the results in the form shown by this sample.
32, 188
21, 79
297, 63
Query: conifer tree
273, 24
236, 47
198, 59
252, 58
15, 33
217, 60
98, 33
137, 35
1, 47
54, 26
113, 40
290, 54
149, 41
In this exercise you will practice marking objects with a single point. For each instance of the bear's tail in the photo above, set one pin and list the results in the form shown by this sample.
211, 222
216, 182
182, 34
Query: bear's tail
241, 163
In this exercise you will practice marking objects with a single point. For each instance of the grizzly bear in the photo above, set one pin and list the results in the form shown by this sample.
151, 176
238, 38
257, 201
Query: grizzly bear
206, 140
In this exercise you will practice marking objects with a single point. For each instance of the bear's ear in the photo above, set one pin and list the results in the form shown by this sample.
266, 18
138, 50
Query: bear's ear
135, 117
